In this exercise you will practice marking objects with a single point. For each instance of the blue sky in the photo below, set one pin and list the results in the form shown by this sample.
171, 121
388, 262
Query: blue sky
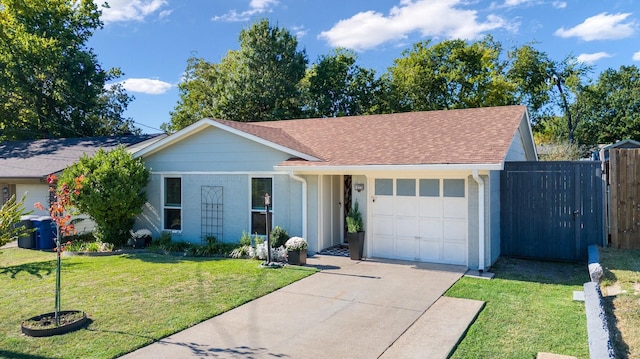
150, 40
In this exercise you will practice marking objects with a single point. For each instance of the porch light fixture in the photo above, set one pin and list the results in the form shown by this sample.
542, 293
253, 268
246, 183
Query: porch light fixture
358, 186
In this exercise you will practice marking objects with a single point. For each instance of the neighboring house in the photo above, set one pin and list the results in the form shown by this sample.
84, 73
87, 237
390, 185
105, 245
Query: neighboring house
427, 183
25, 165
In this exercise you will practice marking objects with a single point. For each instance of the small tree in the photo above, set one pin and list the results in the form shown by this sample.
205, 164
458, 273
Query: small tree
10, 213
112, 191
60, 215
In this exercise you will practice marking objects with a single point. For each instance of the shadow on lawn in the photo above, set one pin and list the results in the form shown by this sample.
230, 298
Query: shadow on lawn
38, 269
16, 355
560, 273
620, 348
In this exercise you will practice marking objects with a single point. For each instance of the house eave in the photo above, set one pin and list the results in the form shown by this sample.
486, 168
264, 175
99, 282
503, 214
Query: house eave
320, 169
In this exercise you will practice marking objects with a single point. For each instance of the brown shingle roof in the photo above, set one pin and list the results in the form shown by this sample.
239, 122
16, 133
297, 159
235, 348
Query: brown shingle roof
467, 136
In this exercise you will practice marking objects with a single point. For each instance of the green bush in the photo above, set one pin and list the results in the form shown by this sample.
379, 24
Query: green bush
10, 213
245, 239
354, 219
112, 193
278, 237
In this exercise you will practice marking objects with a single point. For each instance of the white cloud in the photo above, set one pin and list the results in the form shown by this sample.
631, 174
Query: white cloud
164, 13
129, 10
146, 86
591, 58
299, 31
601, 27
255, 7
559, 4
636, 56
443, 18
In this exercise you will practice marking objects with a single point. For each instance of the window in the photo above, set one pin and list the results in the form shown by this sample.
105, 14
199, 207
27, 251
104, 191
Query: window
454, 188
406, 187
172, 206
429, 188
384, 187
260, 186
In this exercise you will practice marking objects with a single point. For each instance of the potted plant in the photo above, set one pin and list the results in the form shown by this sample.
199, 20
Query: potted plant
355, 233
296, 250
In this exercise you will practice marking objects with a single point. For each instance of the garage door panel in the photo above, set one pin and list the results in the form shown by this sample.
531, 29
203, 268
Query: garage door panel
406, 206
383, 246
454, 230
430, 207
430, 251
430, 226
384, 226
454, 253
455, 208
384, 205
431, 229
406, 226
406, 248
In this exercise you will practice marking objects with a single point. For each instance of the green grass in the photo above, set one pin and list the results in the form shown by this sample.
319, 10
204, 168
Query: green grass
132, 300
622, 271
529, 309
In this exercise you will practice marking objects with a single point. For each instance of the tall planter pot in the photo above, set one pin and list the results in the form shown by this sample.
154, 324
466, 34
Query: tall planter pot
298, 258
356, 245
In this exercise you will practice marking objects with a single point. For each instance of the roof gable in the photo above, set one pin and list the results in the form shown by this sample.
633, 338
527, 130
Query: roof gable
480, 136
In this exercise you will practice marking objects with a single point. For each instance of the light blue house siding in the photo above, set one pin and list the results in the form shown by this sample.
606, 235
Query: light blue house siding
216, 158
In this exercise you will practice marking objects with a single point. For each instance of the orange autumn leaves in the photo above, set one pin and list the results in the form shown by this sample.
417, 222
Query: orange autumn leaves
61, 202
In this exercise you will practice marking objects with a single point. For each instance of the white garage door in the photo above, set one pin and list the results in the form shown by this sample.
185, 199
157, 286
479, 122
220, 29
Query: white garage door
420, 219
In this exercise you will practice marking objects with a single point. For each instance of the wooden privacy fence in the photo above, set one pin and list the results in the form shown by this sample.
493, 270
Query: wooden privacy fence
624, 204
551, 210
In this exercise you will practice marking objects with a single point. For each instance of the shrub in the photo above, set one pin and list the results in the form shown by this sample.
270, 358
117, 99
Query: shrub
241, 252
10, 213
354, 219
245, 239
112, 191
278, 237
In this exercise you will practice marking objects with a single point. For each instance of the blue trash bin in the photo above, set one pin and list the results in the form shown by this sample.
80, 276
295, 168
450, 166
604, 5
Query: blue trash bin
45, 232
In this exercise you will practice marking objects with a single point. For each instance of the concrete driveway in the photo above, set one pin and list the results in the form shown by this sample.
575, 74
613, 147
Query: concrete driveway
351, 309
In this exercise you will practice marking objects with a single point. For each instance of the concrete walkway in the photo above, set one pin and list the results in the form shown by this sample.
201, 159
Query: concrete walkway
351, 309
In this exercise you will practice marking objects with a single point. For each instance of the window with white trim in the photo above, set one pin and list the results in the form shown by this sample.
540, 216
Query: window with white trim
260, 186
172, 203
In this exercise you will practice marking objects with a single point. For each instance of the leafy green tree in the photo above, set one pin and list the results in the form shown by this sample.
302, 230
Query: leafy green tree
610, 107
51, 84
449, 75
112, 191
547, 87
10, 213
258, 82
336, 86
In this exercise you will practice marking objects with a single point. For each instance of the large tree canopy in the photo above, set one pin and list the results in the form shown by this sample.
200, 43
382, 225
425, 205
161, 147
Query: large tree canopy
610, 107
258, 82
336, 86
51, 84
450, 74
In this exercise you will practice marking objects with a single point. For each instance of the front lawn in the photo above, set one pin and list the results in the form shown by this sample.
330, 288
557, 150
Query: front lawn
132, 300
529, 309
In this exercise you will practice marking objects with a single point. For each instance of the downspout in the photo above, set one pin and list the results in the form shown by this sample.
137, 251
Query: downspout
304, 203
481, 237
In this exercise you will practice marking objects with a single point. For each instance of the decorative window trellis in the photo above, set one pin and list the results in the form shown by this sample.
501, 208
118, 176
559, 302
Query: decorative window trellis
211, 213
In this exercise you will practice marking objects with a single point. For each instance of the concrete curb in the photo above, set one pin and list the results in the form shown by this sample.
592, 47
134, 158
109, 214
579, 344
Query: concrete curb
600, 344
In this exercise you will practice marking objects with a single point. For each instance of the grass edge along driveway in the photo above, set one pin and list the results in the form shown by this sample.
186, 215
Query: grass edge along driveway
132, 300
529, 309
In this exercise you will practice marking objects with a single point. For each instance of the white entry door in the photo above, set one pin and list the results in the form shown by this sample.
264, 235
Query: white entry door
420, 219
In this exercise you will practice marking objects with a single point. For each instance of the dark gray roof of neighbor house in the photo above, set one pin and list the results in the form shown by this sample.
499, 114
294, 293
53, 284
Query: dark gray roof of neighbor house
39, 158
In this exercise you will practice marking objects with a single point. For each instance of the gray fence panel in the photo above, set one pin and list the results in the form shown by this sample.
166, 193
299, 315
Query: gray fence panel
551, 210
